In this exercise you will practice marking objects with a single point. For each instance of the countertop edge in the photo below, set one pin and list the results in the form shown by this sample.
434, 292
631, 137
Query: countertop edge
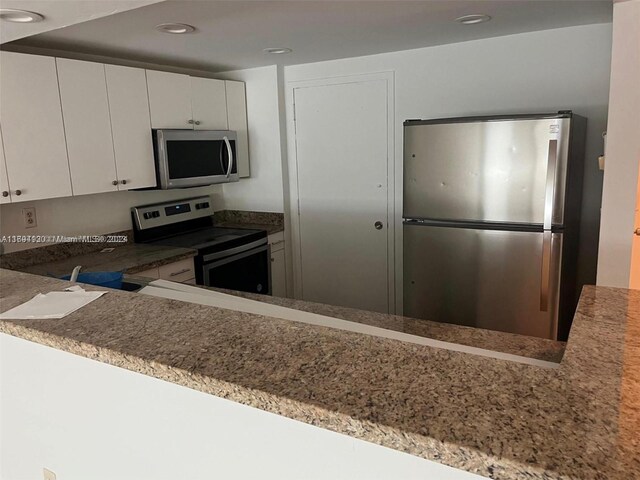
476, 461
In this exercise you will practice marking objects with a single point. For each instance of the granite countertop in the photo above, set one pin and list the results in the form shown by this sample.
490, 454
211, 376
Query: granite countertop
269, 221
269, 227
128, 258
500, 419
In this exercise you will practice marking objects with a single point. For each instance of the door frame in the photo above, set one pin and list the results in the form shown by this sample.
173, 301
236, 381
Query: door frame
294, 195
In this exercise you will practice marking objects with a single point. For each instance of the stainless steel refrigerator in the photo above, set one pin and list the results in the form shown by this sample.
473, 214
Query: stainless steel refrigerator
491, 218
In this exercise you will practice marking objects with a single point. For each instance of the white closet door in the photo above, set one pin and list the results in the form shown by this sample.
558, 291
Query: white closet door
32, 127
341, 150
237, 114
131, 126
209, 104
169, 100
85, 109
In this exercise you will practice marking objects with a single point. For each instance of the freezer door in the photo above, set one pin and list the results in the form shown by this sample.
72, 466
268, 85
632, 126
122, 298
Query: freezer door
498, 280
486, 170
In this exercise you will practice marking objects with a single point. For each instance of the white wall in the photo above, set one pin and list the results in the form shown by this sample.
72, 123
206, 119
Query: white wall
83, 419
263, 191
543, 71
623, 149
89, 214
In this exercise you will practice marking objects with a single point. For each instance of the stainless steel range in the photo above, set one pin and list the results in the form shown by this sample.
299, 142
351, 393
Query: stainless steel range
232, 258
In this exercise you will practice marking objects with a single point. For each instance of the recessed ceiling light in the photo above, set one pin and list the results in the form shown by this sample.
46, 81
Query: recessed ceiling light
175, 28
20, 16
473, 19
277, 50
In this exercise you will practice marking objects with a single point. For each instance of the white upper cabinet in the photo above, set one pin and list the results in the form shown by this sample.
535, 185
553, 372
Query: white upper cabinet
87, 124
169, 100
237, 117
209, 104
131, 127
5, 193
32, 128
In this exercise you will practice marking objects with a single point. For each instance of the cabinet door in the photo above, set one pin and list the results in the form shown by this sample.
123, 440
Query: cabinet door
237, 117
85, 110
209, 104
131, 126
34, 142
169, 100
278, 274
5, 192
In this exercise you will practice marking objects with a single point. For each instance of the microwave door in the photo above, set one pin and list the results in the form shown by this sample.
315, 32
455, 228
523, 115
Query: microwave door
189, 159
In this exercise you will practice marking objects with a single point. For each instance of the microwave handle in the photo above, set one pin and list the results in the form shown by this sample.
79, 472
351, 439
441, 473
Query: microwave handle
230, 153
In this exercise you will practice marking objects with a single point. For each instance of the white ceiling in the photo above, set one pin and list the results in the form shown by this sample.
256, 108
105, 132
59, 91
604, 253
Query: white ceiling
231, 34
61, 13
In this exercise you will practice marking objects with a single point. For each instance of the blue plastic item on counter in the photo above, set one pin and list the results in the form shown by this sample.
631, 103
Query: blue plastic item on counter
101, 279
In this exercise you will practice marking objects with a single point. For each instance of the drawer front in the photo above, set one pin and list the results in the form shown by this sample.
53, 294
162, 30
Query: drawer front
179, 271
151, 273
276, 240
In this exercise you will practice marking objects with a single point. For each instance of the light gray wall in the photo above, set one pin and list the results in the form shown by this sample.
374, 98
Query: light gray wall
262, 191
542, 71
615, 261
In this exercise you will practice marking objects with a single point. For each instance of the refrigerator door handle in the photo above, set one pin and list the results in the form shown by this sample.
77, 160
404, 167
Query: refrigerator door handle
550, 187
546, 271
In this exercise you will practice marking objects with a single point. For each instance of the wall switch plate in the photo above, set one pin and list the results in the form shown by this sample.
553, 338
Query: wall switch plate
48, 474
29, 217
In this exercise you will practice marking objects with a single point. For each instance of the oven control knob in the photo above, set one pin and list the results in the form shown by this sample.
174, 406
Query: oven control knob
156, 214
147, 215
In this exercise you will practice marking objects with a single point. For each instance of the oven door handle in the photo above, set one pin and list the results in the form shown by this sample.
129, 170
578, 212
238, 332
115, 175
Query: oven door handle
207, 267
234, 250
230, 154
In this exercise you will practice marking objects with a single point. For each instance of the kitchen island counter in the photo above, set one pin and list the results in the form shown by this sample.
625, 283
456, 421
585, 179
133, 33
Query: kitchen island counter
500, 419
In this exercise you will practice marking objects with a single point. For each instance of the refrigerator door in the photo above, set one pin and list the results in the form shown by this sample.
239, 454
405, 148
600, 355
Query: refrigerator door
487, 171
493, 279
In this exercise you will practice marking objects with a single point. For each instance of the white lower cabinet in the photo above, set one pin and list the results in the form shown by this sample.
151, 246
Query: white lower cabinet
278, 265
182, 271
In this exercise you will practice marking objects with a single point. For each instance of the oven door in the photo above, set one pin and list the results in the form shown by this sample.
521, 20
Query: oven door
191, 158
246, 271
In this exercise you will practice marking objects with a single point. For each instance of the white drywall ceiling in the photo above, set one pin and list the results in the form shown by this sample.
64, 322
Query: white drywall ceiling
232, 34
61, 13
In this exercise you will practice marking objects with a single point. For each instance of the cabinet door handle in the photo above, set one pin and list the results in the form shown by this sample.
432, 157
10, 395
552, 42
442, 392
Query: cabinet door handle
5, 194
179, 272
124, 182
115, 182
18, 192
190, 122
197, 122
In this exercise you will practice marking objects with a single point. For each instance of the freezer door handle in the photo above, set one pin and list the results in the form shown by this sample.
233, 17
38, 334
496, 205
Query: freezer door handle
550, 186
546, 271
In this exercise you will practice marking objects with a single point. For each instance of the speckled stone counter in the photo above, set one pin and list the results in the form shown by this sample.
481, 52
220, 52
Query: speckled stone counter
128, 258
499, 419
530, 347
271, 222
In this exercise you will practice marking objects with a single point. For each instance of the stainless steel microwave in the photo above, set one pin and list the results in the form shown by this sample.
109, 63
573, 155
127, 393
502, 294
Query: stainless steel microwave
193, 158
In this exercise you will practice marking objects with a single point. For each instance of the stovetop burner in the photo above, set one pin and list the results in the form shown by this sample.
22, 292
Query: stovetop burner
209, 238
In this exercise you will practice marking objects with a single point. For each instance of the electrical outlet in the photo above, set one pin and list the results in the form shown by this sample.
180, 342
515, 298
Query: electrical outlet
29, 217
48, 474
